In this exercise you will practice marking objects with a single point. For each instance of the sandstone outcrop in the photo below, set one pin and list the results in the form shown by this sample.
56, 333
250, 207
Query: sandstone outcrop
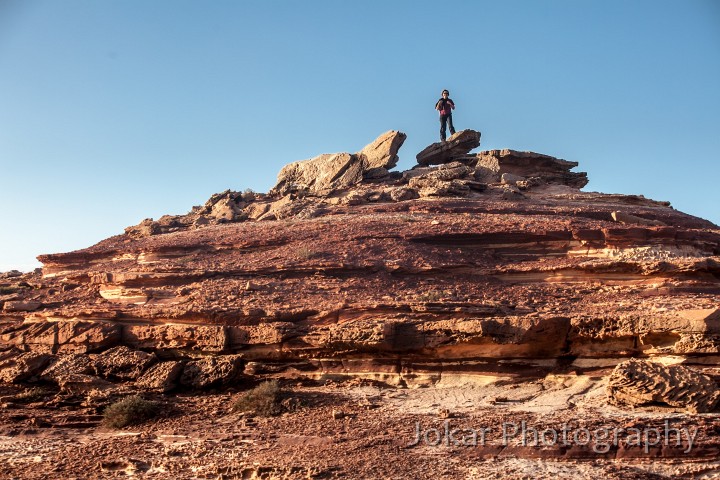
325, 173
492, 165
404, 277
637, 383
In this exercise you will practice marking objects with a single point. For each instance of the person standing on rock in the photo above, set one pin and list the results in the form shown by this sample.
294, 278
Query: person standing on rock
445, 106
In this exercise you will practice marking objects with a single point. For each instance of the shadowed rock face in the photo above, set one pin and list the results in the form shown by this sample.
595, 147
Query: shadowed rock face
493, 263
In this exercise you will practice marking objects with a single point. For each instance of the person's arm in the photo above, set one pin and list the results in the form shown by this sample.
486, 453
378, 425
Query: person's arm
452, 104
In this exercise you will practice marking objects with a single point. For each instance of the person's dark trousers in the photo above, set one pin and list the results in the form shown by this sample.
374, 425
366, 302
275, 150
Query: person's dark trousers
446, 120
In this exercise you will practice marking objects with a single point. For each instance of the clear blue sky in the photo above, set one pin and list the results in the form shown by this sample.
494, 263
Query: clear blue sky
115, 111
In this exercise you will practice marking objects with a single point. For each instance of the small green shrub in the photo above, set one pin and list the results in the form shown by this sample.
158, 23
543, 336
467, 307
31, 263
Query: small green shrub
130, 411
263, 400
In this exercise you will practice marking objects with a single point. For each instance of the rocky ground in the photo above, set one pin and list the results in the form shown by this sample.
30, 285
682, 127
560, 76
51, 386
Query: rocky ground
362, 429
471, 293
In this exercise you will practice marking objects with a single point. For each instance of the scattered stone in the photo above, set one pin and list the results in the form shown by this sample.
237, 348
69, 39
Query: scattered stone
10, 274
402, 194
432, 187
353, 199
511, 193
529, 183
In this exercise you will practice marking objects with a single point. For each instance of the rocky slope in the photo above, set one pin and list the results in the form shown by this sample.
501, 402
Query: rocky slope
467, 269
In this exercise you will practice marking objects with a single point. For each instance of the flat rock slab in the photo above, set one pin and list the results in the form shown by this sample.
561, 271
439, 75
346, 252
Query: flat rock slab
456, 146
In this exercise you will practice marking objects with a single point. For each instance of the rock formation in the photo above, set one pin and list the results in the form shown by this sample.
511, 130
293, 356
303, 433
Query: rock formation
489, 256
640, 383
472, 267
459, 144
323, 174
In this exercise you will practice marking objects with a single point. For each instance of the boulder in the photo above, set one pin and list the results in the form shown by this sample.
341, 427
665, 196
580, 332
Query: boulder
322, 174
20, 367
208, 338
402, 194
511, 179
121, 363
162, 376
637, 383
64, 336
382, 152
86, 336
456, 146
212, 372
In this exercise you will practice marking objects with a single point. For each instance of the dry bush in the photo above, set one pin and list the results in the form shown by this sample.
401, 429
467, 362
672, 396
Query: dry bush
129, 411
263, 400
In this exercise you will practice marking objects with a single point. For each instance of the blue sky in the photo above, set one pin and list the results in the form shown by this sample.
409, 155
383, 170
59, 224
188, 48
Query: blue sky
115, 111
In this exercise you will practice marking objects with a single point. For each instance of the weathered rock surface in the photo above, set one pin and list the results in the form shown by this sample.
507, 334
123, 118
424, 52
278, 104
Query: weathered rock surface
162, 376
212, 372
17, 367
68, 365
122, 363
325, 173
637, 383
516, 166
458, 145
